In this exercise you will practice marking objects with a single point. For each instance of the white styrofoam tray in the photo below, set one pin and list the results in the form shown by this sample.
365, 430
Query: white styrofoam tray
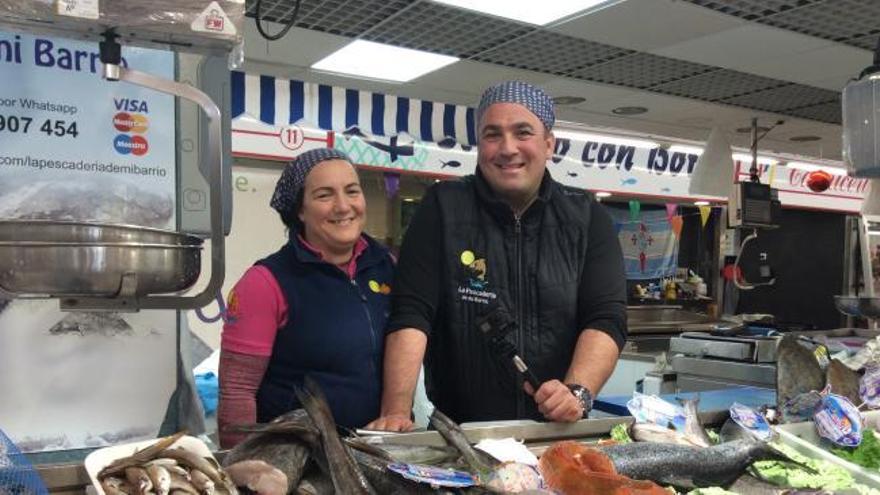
101, 458
803, 438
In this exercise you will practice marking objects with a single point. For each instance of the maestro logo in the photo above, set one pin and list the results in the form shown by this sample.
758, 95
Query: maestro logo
135, 145
130, 122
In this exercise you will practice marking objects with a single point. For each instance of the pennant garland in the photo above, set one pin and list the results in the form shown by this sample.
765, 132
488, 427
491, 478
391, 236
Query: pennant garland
392, 184
671, 208
635, 206
705, 211
677, 222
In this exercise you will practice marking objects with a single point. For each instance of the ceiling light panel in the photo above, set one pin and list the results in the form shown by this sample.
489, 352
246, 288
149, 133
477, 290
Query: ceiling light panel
437, 28
551, 52
342, 17
641, 70
368, 59
718, 85
525, 10
784, 98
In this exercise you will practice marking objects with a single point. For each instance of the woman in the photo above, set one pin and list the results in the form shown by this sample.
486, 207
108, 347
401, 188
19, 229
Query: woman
316, 308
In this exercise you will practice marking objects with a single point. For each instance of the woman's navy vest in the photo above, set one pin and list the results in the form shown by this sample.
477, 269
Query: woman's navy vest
335, 333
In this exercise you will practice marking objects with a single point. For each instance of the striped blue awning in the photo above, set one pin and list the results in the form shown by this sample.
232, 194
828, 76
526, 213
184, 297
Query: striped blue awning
280, 102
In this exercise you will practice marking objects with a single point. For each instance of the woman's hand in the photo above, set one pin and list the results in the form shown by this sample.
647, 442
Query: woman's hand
391, 422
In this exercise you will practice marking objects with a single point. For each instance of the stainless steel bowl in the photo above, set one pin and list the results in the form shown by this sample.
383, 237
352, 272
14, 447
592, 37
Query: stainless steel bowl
80, 259
864, 307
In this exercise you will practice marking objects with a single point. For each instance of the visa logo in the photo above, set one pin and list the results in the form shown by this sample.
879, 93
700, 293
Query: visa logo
131, 105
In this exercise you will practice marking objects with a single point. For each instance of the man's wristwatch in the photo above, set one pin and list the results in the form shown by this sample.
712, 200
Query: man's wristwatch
583, 395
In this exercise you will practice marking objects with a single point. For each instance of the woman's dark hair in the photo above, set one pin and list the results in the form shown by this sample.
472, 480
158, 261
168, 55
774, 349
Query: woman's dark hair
290, 218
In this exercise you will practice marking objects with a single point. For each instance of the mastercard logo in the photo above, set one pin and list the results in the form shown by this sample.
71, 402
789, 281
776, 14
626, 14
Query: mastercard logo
130, 122
135, 145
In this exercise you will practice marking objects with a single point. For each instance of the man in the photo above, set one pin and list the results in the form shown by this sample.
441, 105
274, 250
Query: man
507, 237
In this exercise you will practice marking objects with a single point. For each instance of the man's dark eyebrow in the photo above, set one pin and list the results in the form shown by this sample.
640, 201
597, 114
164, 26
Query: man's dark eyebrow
518, 126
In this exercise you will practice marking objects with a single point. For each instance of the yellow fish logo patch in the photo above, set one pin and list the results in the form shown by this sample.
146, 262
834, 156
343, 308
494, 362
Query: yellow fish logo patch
378, 288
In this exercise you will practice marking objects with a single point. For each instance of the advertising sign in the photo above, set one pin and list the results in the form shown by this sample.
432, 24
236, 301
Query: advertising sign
76, 147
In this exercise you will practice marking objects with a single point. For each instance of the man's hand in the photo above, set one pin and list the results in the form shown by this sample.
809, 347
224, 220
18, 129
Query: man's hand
556, 402
391, 422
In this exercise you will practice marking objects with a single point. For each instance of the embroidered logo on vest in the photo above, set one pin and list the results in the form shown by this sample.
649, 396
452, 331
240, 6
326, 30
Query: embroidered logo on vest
378, 288
477, 283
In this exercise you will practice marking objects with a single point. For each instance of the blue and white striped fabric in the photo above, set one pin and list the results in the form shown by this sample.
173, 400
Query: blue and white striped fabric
280, 102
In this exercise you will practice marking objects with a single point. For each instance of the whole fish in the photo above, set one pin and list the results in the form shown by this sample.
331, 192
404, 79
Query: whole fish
202, 483
650, 432
284, 444
160, 477
387, 482
344, 471
797, 372
210, 469
688, 467
478, 462
138, 479
409, 454
257, 476
140, 457
843, 381
693, 429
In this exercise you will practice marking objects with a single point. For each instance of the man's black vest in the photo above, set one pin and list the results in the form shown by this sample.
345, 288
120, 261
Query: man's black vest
531, 266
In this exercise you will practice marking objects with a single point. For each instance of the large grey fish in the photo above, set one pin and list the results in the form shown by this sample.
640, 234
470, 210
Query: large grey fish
385, 481
478, 462
284, 444
797, 372
688, 467
431, 455
347, 476
843, 381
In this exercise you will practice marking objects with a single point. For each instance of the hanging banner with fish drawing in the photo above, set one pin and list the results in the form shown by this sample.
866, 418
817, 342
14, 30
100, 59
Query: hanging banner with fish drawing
277, 119
650, 248
76, 147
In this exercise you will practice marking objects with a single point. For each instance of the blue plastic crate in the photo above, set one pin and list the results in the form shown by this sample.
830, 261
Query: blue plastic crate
17, 475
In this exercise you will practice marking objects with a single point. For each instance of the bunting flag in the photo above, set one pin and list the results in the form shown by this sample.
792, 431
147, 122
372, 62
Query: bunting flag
676, 223
392, 184
650, 250
705, 211
671, 208
635, 206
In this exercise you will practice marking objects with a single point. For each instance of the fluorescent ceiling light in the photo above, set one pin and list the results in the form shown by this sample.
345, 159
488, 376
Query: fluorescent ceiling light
690, 150
377, 61
811, 167
747, 159
525, 10
602, 194
701, 203
582, 136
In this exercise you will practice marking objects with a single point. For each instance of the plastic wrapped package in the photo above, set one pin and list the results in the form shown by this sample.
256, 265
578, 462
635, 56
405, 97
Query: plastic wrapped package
188, 25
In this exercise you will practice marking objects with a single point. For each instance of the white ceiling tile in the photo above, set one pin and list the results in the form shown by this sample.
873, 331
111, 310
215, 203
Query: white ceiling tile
648, 24
742, 47
827, 67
